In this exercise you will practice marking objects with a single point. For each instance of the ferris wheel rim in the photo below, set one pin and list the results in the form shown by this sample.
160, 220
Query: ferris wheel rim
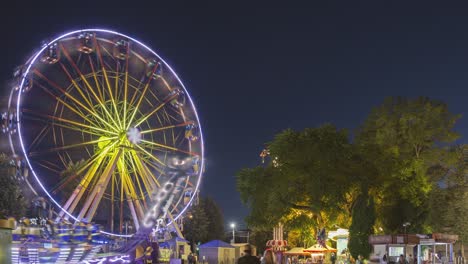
32, 61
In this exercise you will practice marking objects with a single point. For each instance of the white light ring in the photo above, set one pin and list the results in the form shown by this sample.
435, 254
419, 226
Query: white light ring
33, 60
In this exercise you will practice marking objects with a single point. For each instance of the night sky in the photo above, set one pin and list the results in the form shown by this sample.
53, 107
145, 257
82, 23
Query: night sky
256, 69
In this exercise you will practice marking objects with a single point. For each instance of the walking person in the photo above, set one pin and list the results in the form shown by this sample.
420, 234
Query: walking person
248, 258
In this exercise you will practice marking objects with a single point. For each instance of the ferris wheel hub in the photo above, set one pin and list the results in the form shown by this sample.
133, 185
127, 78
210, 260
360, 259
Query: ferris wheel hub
134, 135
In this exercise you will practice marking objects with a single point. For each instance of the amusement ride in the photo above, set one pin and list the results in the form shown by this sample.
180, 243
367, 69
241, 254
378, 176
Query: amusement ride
108, 134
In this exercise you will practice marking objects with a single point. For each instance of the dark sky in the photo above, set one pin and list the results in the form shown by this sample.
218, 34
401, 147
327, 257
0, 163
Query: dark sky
255, 69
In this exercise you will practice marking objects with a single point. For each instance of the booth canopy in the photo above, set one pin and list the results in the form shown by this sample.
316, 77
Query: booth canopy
317, 248
296, 251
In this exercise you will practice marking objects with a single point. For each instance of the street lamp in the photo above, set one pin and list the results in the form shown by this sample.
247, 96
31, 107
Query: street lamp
405, 225
233, 226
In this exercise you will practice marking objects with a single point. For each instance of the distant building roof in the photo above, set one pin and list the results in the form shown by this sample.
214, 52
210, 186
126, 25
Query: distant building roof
216, 244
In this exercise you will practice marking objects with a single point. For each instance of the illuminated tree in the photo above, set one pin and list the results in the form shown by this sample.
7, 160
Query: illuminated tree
412, 135
308, 182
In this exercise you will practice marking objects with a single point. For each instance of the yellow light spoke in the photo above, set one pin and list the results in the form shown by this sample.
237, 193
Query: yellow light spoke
90, 88
125, 88
130, 190
77, 87
151, 155
144, 179
145, 117
62, 148
72, 98
145, 170
70, 107
141, 98
61, 119
98, 50
169, 147
73, 200
166, 127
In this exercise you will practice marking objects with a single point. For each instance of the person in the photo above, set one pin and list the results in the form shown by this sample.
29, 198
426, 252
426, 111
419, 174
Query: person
268, 257
248, 258
384, 259
333, 258
401, 259
359, 259
191, 258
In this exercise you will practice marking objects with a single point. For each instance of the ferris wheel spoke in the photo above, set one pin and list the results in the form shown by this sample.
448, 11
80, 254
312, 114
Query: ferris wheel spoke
79, 191
39, 137
129, 190
75, 197
137, 173
151, 155
106, 78
69, 122
77, 69
63, 148
68, 95
151, 182
94, 199
168, 147
130, 164
75, 84
47, 167
166, 127
100, 97
78, 172
137, 106
126, 86
70, 107
146, 116
83, 78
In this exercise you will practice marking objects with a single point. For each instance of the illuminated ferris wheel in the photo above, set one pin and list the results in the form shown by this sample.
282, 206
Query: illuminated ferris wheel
102, 123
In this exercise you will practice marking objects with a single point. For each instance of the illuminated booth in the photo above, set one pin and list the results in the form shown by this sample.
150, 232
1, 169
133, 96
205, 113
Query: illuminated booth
425, 249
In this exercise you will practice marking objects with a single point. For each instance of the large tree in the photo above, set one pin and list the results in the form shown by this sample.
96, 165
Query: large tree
196, 226
308, 177
413, 135
215, 219
449, 200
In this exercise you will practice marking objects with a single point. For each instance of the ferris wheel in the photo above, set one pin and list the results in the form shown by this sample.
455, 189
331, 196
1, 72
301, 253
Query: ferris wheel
103, 123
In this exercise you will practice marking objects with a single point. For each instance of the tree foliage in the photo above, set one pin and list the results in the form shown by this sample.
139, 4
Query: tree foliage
310, 180
12, 201
196, 226
205, 222
362, 226
215, 219
398, 157
449, 200
412, 136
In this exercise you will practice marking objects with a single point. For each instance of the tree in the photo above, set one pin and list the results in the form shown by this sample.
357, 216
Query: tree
414, 135
449, 200
215, 219
308, 179
12, 201
259, 238
196, 226
362, 226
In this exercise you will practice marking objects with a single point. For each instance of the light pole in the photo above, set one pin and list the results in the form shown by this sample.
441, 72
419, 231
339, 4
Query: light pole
405, 225
233, 226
